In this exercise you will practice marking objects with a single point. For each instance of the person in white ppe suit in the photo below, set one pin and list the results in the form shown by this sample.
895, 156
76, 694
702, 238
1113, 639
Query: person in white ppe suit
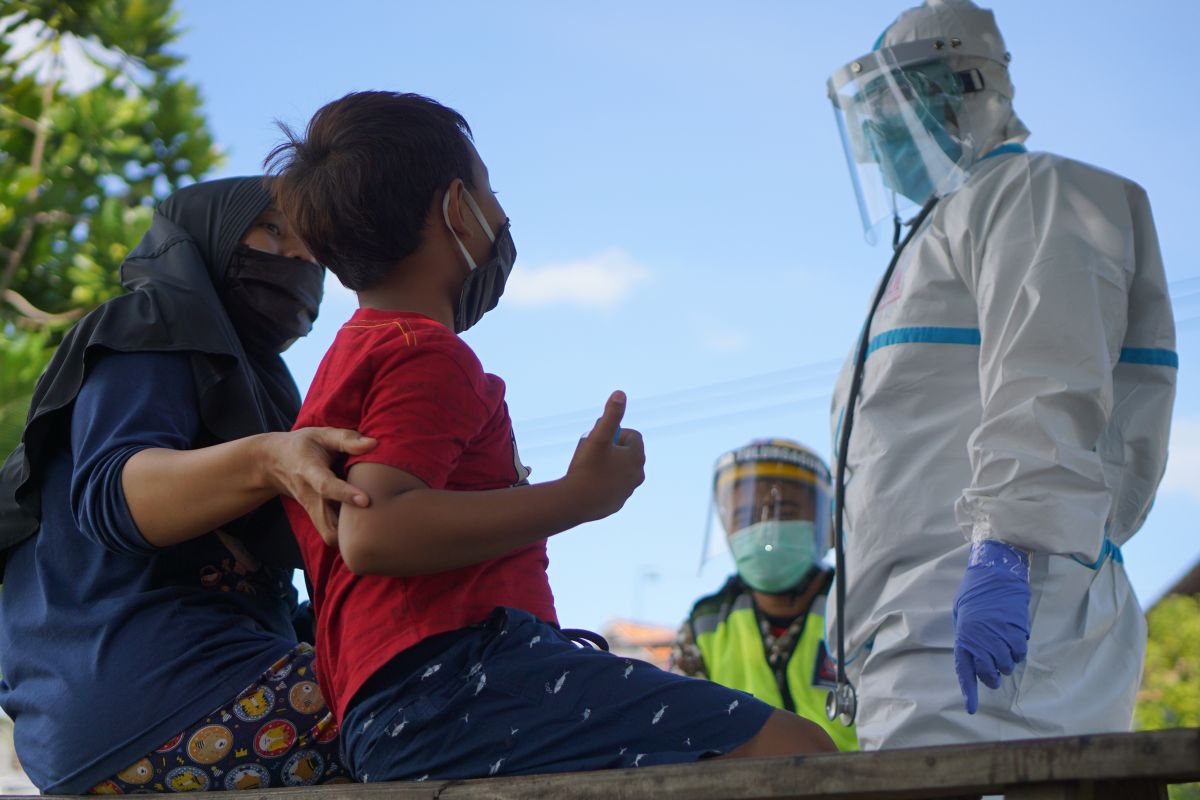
1001, 429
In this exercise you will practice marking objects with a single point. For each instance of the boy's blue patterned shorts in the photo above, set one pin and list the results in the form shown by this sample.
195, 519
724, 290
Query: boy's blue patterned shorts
516, 696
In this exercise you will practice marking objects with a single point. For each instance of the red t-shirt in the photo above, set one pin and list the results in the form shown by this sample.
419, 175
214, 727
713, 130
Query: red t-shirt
418, 389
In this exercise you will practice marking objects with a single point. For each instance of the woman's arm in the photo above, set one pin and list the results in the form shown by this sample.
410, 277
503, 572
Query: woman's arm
136, 485
177, 495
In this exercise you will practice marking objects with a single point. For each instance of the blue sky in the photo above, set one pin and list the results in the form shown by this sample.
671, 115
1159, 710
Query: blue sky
686, 224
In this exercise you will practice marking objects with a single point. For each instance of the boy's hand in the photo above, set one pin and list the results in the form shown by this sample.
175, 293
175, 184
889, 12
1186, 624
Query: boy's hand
608, 463
299, 466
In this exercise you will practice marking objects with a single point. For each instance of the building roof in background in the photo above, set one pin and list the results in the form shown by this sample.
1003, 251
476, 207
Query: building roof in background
640, 640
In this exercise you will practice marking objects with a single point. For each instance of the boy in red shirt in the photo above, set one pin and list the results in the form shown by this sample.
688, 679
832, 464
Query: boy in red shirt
438, 645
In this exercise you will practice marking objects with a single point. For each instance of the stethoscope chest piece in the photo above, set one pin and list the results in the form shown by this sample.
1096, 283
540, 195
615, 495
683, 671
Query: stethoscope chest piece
841, 704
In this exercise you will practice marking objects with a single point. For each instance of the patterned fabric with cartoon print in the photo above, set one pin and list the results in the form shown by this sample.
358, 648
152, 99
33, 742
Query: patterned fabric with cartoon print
278, 732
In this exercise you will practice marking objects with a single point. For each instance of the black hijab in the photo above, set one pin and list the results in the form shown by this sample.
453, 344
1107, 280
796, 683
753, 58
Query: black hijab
172, 305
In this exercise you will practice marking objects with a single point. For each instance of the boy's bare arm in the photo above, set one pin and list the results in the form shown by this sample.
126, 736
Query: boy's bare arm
410, 529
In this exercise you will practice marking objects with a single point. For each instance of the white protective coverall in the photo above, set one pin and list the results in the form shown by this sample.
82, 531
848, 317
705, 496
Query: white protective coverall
1019, 386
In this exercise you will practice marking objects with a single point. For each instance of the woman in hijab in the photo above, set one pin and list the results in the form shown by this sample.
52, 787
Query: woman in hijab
146, 640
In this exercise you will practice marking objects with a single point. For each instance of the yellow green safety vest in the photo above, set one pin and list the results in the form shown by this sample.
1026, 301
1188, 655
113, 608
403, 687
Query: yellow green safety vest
727, 632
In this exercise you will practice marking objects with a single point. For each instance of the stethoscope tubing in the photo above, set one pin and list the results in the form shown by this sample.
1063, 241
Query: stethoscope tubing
839, 496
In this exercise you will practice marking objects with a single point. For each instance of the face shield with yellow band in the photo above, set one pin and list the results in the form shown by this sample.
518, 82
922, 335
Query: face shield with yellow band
772, 500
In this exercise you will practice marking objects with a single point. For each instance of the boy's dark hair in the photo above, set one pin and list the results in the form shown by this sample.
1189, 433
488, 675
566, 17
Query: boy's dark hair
357, 187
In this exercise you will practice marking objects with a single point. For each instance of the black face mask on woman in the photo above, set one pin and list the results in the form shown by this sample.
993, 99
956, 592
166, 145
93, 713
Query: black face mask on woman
271, 300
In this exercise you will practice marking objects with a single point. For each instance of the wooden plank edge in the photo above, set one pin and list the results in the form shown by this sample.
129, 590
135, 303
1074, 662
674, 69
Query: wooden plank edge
1169, 756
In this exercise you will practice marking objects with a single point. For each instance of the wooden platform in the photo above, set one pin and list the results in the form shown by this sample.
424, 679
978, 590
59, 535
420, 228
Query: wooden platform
1126, 766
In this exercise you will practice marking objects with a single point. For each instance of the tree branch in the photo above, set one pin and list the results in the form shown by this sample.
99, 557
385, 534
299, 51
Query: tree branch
17, 253
35, 162
25, 122
54, 215
32, 312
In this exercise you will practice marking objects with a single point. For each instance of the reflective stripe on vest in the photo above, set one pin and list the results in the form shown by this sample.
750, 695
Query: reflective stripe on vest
735, 656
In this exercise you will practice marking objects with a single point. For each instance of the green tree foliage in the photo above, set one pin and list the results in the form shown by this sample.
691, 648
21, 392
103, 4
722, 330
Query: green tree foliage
1170, 693
23, 356
95, 128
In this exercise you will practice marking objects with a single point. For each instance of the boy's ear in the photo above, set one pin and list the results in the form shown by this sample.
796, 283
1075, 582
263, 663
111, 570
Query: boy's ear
457, 211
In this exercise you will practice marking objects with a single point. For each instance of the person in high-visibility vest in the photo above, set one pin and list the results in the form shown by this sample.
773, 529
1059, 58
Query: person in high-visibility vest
763, 632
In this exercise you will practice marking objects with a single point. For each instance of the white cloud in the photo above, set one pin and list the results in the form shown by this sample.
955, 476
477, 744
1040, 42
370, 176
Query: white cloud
1183, 463
600, 281
725, 341
75, 65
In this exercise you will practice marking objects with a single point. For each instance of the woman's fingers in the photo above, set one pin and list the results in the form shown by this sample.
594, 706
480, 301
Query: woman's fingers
321, 497
316, 472
342, 440
333, 488
329, 531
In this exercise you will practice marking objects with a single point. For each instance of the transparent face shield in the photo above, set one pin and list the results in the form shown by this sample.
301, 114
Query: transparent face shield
898, 111
776, 520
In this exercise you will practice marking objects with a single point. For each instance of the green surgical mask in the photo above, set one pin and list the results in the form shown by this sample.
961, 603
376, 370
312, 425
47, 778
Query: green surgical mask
774, 556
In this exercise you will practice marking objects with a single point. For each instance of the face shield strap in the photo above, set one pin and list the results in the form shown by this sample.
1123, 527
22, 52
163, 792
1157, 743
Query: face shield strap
971, 80
707, 535
908, 54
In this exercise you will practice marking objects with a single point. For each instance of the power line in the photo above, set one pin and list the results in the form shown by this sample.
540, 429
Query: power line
773, 380
648, 413
1183, 298
548, 432
681, 426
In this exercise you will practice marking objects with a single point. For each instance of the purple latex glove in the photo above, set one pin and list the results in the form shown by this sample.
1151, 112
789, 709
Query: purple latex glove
991, 617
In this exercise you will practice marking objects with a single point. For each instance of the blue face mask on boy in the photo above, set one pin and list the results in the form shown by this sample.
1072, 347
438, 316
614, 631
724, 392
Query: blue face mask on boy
483, 287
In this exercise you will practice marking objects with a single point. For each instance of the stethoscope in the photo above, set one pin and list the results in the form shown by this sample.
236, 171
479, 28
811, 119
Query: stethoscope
842, 701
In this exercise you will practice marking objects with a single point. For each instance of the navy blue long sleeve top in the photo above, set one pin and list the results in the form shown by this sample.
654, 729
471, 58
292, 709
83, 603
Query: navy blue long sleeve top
110, 646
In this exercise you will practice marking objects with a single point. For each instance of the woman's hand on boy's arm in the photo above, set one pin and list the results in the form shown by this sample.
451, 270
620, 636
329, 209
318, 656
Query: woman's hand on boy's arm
609, 463
298, 464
